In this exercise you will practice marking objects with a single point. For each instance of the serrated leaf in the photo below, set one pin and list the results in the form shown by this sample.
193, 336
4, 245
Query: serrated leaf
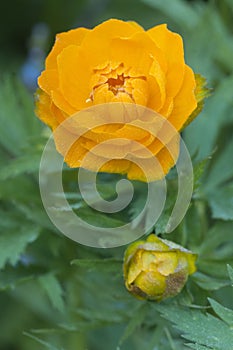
52, 287
223, 312
106, 265
202, 329
14, 241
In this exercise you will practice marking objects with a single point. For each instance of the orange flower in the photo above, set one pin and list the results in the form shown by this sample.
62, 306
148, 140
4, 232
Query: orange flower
117, 62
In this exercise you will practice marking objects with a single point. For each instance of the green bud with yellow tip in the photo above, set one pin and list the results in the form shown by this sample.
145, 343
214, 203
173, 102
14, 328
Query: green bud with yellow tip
156, 269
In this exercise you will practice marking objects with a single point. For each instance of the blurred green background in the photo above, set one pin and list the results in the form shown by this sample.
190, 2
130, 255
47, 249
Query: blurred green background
45, 301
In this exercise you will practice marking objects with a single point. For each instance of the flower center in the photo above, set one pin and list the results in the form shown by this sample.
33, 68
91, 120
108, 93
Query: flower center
116, 85
115, 82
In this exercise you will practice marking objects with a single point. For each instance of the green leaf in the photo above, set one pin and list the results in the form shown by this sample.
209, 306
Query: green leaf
14, 241
18, 122
215, 268
216, 238
9, 190
156, 337
229, 3
180, 12
221, 202
10, 277
219, 171
209, 283
37, 215
103, 316
230, 272
202, 329
161, 224
224, 313
106, 265
198, 347
29, 163
198, 171
94, 218
53, 289
215, 62
42, 342
135, 321
170, 338
200, 136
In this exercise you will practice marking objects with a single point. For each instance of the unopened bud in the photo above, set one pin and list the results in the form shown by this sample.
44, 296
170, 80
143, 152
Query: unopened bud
157, 269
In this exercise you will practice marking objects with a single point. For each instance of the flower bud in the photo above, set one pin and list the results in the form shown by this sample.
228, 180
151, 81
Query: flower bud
157, 269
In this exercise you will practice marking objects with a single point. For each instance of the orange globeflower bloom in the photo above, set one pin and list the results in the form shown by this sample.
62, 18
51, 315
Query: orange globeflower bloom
118, 61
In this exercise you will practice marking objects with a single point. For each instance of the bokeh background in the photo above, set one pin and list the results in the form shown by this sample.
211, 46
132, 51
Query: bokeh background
47, 303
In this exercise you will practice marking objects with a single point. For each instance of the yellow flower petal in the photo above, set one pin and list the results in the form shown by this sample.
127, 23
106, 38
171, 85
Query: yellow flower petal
97, 42
166, 263
74, 83
60, 101
137, 52
49, 80
185, 101
171, 45
72, 37
43, 109
151, 283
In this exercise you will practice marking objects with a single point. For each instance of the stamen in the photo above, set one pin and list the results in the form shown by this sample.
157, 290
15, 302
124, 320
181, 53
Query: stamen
117, 83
